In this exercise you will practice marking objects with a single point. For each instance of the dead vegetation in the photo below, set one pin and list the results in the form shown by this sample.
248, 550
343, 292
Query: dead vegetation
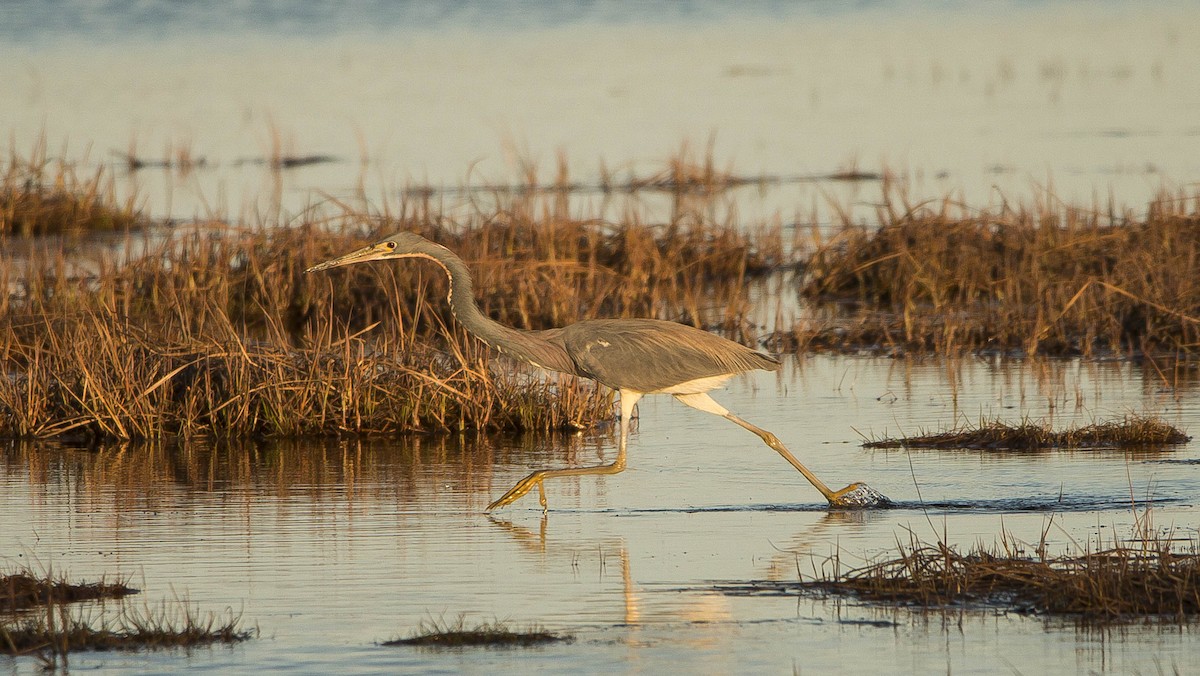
1122, 583
1040, 280
40, 615
1132, 433
23, 590
1148, 578
215, 330
41, 197
444, 634
190, 339
60, 630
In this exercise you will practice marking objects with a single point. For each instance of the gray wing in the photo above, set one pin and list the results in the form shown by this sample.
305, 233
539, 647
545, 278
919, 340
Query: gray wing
648, 354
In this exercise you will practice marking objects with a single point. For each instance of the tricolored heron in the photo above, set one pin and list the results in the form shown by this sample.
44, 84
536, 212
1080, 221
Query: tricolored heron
635, 357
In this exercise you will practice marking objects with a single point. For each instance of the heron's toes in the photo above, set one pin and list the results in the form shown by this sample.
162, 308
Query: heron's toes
516, 492
858, 496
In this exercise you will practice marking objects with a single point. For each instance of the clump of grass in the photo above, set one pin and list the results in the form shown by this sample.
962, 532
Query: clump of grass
59, 631
214, 336
1146, 579
1039, 280
97, 378
41, 616
1121, 583
216, 330
440, 634
220, 333
40, 197
686, 174
22, 590
1132, 432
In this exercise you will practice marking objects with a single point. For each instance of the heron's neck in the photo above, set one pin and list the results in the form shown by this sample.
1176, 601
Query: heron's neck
462, 303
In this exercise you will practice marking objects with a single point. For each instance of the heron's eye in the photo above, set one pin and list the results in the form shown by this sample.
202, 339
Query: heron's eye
390, 245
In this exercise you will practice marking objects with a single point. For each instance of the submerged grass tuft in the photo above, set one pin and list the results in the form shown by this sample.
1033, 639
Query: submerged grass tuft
1132, 432
441, 634
22, 590
59, 631
1121, 583
1144, 579
42, 616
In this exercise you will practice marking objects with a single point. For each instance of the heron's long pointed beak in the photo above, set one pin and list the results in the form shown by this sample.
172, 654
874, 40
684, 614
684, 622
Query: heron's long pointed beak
367, 253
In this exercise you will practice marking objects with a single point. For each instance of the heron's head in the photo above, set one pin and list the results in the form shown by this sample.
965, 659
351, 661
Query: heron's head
400, 245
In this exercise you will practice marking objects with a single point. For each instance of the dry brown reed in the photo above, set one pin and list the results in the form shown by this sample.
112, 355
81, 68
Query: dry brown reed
60, 629
1124, 582
1134, 432
1043, 280
93, 375
687, 173
215, 329
1150, 577
190, 338
40, 615
39, 196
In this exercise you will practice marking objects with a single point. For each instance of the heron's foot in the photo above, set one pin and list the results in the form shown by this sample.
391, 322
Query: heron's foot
523, 486
858, 496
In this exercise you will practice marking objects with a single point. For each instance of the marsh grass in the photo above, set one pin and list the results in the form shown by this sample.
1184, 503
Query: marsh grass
1121, 583
215, 330
178, 157
98, 378
60, 630
1131, 433
1144, 578
22, 590
39, 196
495, 634
1045, 279
190, 338
42, 615
687, 172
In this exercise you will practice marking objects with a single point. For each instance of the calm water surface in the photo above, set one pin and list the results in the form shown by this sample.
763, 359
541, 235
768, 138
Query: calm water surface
330, 548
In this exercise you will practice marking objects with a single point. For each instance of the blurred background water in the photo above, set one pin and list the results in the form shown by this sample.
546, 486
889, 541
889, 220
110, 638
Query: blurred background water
1091, 103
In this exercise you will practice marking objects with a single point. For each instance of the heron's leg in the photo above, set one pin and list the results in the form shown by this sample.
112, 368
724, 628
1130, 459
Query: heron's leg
850, 496
628, 400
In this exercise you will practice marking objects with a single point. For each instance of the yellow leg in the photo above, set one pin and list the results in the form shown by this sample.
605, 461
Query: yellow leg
628, 399
855, 495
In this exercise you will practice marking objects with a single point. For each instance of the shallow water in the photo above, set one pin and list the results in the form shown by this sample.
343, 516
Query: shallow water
330, 548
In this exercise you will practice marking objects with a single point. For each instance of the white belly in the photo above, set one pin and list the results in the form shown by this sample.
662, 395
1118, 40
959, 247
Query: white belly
697, 386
